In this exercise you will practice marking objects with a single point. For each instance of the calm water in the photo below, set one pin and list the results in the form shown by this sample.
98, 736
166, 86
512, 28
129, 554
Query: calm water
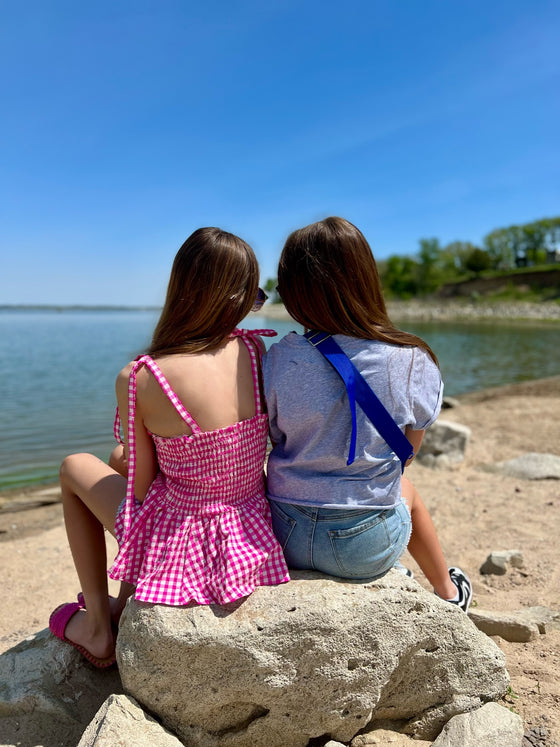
57, 373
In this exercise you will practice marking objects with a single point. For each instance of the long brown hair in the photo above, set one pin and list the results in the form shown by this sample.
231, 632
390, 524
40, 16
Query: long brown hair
328, 281
212, 287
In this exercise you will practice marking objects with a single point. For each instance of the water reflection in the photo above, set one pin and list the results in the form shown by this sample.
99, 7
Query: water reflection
481, 354
474, 355
58, 372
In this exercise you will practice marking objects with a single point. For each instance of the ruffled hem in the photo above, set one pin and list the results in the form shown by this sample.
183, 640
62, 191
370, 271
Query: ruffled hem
176, 559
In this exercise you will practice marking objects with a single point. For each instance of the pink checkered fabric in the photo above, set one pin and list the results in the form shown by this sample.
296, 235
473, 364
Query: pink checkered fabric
203, 533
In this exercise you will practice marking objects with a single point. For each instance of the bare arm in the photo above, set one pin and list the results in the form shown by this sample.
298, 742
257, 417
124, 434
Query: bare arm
415, 438
146, 462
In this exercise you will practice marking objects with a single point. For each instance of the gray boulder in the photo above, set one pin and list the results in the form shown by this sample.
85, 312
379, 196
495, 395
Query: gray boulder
519, 626
317, 657
48, 692
506, 625
491, 726
531, 466
121, 721
444, 445
543, 617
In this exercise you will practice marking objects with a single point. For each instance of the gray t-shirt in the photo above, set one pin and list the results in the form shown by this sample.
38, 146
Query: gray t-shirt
310, 421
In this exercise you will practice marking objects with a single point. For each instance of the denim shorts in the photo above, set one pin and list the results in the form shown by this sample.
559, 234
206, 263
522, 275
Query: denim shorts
348, 543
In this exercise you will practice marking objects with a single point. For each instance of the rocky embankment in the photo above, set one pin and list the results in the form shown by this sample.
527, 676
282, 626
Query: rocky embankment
455, 310
440, 310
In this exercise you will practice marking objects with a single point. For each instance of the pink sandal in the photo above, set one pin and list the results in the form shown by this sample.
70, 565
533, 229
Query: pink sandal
58, 621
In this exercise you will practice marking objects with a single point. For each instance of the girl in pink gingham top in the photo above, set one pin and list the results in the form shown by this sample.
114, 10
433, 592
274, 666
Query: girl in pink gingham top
206, 504
185, 497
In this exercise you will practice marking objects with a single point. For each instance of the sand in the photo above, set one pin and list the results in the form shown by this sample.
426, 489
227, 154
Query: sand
475, 513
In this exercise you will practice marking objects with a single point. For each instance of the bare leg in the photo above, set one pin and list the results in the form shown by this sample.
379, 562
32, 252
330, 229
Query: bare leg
91, 495
424, 544
117, 605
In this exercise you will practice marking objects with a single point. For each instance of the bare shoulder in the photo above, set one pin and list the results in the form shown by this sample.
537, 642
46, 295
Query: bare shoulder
121, 383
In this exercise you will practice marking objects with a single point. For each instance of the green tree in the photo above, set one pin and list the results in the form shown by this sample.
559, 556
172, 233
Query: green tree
533, 242
270, 290
399, 276
533, 239
453, 258
478, 261
497, 244
429, 272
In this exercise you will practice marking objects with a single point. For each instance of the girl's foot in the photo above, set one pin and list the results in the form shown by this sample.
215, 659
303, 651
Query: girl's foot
71, 624
99, 642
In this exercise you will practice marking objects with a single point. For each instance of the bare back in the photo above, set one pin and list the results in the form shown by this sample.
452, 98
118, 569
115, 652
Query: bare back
215, 387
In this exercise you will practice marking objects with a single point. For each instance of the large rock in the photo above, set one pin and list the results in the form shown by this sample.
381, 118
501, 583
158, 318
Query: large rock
48, 692
506, 625
121, 721
444, 445
317, 657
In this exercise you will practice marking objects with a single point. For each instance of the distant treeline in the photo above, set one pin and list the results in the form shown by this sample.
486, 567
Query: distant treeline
503, 249
434, 266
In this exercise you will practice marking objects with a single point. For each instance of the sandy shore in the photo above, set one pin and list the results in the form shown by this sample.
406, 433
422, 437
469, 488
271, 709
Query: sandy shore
475, 513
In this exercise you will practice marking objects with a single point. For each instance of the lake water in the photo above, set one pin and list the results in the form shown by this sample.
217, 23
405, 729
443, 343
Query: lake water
58, 368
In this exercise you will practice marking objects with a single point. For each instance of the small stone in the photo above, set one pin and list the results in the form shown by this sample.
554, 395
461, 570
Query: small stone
385, 737
491, 726
496, 563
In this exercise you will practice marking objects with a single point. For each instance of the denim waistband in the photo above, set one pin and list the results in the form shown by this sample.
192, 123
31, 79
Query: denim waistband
318, 513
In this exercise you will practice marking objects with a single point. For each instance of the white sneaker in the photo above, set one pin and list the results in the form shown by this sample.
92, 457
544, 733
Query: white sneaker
464, 587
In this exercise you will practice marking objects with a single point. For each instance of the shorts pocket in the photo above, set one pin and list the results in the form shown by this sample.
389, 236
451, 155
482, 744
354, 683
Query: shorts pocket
282, 524
368, 549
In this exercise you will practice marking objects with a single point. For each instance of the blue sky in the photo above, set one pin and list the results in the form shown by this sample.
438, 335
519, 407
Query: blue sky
126, 125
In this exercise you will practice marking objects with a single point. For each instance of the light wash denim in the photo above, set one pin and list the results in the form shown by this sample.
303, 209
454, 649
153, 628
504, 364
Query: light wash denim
348, 543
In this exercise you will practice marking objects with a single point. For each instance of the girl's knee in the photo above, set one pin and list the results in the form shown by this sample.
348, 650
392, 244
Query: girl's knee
71, 466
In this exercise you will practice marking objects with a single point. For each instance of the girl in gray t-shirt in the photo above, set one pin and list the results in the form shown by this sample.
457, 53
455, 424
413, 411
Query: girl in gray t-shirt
348, 520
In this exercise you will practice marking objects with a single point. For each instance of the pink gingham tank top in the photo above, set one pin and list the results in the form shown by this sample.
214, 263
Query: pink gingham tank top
203, 533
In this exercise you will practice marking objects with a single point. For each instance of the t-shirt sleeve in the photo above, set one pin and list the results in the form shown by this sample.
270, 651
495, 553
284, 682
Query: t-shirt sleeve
426, 390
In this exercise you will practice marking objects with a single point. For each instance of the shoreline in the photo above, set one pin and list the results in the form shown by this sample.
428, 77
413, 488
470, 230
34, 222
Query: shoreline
440, 310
